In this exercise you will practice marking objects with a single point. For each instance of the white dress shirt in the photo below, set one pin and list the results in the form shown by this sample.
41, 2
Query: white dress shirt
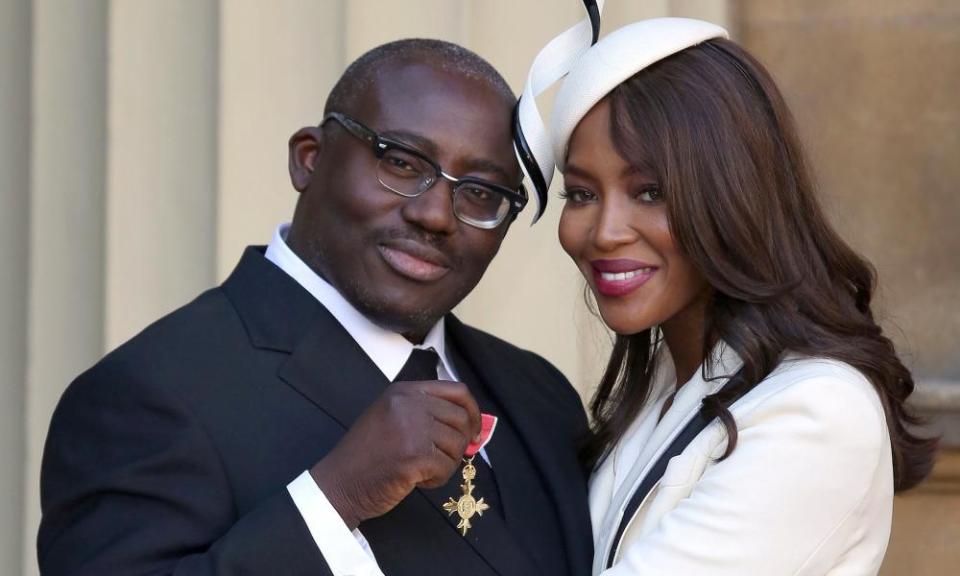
346, 552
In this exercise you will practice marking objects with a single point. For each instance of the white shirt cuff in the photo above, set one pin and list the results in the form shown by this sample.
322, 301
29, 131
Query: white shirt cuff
346, 553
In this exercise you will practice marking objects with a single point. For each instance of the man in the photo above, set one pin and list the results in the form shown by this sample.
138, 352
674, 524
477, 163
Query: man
252, 430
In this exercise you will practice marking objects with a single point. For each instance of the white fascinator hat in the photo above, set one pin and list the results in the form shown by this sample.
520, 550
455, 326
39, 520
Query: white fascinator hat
589, 69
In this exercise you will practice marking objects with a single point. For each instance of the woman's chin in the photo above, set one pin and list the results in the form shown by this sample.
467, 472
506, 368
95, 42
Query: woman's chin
623, 324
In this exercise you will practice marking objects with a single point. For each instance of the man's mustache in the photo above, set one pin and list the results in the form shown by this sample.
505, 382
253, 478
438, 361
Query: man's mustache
439, 242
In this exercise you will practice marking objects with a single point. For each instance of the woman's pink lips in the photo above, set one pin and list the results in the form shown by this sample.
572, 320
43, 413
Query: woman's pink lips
637, 273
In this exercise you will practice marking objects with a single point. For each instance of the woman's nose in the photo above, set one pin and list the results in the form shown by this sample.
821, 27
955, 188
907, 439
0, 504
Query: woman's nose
614, 226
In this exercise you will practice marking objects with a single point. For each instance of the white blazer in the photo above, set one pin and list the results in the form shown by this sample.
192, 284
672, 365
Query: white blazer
808, 490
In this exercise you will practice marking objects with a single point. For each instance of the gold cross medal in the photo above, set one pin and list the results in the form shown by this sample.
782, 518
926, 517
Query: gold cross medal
467, 506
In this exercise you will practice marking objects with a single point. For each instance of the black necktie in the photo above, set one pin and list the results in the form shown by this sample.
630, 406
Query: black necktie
421, 365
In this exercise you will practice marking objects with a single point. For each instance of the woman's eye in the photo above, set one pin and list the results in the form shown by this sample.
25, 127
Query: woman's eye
577, 195
649, 194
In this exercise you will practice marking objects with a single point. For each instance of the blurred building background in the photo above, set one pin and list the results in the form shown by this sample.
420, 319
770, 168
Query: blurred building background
143, 145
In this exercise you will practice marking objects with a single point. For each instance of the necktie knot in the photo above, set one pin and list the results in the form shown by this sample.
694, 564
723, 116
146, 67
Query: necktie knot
421, 365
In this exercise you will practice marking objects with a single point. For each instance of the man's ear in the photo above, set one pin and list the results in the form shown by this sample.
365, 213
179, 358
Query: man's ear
305, 146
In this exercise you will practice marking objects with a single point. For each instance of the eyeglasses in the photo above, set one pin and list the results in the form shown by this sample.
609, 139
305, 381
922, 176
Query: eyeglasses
406, 171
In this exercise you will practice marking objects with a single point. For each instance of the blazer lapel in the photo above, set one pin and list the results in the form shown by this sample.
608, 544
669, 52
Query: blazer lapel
723, 363
274, 309
325, 364
526, 412
331, 370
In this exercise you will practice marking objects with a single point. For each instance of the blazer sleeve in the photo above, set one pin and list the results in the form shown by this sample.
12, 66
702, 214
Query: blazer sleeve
131, 484
805, 462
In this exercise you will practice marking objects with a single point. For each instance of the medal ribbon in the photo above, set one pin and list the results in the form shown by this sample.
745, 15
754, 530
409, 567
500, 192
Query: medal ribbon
488, 423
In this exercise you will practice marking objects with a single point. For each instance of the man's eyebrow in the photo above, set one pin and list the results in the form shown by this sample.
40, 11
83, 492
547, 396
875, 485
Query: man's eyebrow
412, 139
429, 147
488, 166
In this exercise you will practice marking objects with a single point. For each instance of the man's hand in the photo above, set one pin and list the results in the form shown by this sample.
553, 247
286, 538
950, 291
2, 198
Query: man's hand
413, 435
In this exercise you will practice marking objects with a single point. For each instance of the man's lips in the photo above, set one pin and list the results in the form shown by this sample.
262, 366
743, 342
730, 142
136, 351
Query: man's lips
414, 260
621, 276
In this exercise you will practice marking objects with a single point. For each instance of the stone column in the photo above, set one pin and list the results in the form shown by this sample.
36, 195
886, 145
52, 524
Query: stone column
278, 61
162, 167
14, 253
68, 175
368, 24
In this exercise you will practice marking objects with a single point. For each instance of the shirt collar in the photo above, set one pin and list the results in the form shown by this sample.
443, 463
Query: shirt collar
388, 350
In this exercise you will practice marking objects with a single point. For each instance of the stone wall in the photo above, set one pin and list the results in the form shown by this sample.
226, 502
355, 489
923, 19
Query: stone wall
875, 88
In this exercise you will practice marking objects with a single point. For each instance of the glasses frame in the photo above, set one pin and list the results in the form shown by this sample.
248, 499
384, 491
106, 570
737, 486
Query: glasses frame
380, 145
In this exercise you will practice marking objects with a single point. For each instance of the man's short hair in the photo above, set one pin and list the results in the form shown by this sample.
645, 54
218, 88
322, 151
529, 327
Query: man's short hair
447, 56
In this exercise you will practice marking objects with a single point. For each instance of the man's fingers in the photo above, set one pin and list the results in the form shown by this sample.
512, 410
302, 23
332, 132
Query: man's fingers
448, 441
453, 415
457, 393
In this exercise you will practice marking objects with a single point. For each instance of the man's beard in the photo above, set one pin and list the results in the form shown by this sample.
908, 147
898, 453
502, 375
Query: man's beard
377, 309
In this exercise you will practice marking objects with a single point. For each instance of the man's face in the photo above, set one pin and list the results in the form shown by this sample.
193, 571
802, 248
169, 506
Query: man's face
402, 262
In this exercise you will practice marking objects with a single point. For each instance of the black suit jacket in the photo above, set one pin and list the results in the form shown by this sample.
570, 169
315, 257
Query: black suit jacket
172, 454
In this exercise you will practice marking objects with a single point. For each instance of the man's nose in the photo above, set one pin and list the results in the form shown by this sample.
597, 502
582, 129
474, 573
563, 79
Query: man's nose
433, 209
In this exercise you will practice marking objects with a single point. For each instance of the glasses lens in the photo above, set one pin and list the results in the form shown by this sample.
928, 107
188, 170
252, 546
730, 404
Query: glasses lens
480, 205
404, 173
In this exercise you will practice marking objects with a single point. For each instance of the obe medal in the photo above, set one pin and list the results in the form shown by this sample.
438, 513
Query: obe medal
467, 506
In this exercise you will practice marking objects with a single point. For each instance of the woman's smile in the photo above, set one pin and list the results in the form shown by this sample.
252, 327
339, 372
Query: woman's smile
619, 277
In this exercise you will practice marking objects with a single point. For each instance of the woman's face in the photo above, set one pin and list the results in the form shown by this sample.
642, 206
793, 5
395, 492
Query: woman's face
614, 226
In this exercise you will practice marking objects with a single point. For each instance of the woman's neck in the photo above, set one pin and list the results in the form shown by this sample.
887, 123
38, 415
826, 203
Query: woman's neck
684, 335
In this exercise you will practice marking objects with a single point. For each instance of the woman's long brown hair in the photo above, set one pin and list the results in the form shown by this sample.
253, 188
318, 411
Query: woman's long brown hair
711, 124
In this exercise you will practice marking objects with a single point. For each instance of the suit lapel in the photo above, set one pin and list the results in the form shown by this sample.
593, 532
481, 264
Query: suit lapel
325, 364
274, 309
331, 370
504, 382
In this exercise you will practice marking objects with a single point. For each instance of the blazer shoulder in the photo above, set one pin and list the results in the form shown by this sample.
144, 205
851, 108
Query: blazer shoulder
191, 324
539, 372
522, 357
823, 396
817, 378
188, 339
145, 376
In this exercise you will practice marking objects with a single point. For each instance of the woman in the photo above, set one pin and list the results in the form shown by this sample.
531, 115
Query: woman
691, 214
